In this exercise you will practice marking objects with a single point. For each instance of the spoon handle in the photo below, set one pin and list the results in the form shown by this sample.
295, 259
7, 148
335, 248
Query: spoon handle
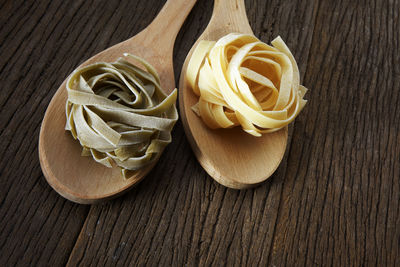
232, 15
165, 27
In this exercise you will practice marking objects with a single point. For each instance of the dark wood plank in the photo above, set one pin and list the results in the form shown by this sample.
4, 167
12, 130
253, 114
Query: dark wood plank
178, 215
334, 200
36, 225
341, 197
41, 42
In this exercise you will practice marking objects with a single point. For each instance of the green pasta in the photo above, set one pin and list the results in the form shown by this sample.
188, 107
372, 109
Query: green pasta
119, 113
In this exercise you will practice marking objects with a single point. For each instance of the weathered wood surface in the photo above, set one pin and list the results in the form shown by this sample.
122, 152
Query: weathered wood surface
333, 201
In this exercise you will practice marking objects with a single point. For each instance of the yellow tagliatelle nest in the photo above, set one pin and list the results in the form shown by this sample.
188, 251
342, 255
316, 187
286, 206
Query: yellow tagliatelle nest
120, 114
243, 81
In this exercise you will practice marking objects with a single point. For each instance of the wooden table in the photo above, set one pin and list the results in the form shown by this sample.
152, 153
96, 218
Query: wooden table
333, 201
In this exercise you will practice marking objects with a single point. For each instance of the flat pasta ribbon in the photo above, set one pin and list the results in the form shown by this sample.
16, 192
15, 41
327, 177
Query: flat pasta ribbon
243, 81
120, 114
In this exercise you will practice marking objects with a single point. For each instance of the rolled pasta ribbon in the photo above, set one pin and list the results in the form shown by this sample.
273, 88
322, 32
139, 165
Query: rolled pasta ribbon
119, 113
243, 81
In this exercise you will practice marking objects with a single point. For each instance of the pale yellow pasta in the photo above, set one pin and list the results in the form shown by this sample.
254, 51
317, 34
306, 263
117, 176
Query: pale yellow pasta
119, 113
243, 81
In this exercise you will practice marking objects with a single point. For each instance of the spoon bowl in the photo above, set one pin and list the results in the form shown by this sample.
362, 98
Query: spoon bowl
230, 156
81, 179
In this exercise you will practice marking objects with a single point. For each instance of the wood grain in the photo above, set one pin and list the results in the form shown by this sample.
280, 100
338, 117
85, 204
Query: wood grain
335, 200
340, 203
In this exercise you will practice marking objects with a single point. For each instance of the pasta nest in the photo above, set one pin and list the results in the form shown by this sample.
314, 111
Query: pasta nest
119, 113
243, 81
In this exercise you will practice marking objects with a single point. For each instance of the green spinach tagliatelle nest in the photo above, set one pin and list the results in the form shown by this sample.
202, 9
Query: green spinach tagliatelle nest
119, 113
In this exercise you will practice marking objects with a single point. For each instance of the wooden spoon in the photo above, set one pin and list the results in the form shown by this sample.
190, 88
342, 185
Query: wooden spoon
231, 156
81, 179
